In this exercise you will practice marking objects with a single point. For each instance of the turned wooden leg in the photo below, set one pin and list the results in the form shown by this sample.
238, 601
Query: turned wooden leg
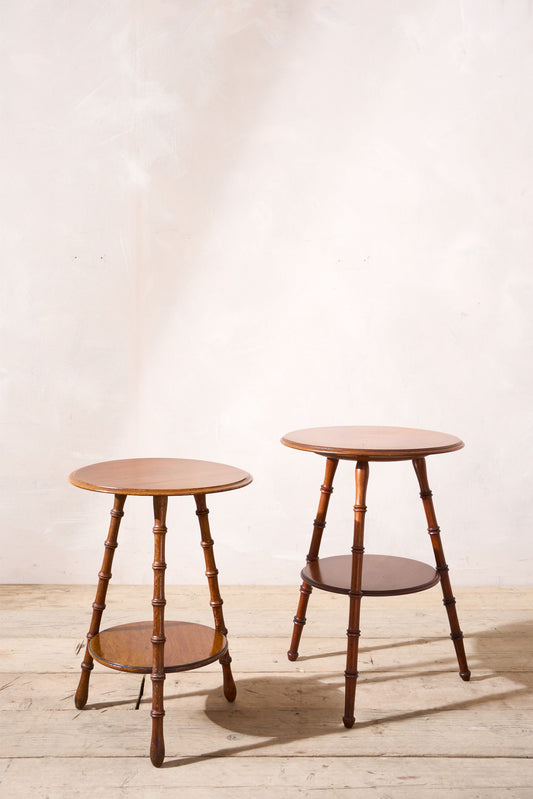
104, 577
211, 572
353, 632
326, 489
157, 746
442, 567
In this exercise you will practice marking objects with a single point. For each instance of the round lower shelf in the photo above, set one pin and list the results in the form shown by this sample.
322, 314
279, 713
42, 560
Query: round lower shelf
383, 575
128, 647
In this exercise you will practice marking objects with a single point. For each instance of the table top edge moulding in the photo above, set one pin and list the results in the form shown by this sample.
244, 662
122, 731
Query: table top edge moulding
366, 443
160, 477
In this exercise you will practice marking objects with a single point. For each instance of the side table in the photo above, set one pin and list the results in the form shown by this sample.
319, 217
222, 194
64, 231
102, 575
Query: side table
157, 647
358, 574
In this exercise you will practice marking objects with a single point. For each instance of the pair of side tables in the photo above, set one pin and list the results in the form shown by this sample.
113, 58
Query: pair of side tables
159, 647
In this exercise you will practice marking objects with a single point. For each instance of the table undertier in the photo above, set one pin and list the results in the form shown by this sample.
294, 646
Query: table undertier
383, 575
128, 647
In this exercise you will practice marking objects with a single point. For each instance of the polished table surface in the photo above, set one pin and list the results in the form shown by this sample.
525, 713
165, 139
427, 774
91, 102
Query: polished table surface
160, 477
372, 443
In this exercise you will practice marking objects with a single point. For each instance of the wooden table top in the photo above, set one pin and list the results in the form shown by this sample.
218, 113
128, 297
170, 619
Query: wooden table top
372, 443
160, 477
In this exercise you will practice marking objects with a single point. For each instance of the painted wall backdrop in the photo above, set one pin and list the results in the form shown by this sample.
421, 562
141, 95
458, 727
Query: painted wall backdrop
225, 220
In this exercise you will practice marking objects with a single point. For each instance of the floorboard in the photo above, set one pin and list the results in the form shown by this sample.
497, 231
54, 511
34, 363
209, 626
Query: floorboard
420, 730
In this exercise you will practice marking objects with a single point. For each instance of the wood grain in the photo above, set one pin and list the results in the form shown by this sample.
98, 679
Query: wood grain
159, 477
128, 647
383, 575
372, 443
415, 721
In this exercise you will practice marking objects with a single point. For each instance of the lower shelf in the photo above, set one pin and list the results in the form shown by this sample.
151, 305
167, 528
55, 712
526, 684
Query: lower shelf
128, 647
383, 575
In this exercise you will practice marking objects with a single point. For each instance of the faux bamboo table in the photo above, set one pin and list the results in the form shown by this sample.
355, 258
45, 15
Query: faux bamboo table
358, 574
158, 647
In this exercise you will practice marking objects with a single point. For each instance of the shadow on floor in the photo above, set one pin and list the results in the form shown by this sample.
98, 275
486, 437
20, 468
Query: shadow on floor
317, 708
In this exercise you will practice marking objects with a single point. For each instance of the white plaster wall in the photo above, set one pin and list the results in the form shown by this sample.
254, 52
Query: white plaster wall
222, 221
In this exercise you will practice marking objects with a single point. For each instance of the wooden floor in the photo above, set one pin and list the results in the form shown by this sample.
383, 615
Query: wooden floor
420, 730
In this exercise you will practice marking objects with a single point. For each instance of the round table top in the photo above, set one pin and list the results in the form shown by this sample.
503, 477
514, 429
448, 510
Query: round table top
159, 477
372, 443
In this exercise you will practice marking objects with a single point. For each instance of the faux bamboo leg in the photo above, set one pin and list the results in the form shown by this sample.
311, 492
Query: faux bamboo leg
442, 567
326, 489
157, 746
211, 572
104, 577
353, 632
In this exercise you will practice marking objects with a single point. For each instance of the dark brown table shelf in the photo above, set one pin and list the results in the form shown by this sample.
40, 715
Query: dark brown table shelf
383, 575
128, 647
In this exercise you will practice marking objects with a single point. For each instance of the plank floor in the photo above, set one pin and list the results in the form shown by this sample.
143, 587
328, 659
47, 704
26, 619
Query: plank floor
420, 730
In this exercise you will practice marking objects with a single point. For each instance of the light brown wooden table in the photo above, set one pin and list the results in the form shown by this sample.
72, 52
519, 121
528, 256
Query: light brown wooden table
158, 647
360, 574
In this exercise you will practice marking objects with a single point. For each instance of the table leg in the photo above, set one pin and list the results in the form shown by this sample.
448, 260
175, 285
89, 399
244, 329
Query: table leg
157, 746
211, 572
326, 489
442, 567
104, 577
355, 594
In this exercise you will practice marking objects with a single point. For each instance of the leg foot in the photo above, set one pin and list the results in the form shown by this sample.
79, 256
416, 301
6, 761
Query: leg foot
157, 745
349, 699
464, 671
299, 621
292, 656
82, 693
230, 689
